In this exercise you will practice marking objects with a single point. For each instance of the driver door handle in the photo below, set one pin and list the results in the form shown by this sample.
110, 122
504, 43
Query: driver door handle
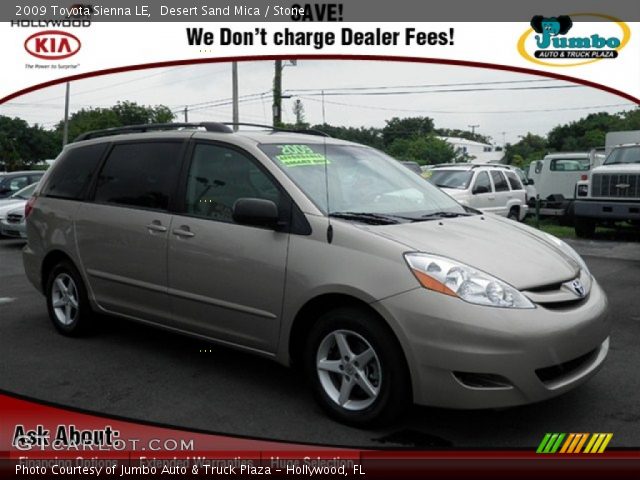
183, 231
156, 226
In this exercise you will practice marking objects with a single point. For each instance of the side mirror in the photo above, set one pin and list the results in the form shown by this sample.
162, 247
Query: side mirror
256, 212
531, 182
480, 189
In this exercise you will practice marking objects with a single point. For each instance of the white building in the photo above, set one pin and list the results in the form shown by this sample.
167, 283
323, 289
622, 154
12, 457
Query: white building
474, 152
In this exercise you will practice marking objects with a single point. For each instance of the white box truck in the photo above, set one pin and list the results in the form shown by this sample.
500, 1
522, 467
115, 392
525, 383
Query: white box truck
611, 194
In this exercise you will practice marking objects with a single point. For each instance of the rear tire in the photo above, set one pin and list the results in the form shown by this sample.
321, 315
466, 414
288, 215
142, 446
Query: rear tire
356, 368
67, 301
584, 227
514, 214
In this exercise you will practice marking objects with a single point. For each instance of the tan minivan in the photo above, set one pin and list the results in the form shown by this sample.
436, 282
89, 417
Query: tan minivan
316, 252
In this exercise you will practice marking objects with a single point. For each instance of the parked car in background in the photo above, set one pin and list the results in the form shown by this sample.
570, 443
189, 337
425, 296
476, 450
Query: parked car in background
413, 166
13, 224
489, 188
17, 200
11, 182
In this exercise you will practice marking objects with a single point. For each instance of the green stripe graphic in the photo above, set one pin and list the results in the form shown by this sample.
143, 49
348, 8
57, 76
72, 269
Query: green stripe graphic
551, 443
558, 443
543, 443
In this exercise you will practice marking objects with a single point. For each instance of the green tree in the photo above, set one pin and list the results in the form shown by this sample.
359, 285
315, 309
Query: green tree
454, 132
586, 133
121, 114
22, 146
425, 150
370, 136
530, 147
405, 128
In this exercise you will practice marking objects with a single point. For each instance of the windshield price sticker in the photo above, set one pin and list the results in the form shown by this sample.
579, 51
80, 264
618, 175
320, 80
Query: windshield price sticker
300, 155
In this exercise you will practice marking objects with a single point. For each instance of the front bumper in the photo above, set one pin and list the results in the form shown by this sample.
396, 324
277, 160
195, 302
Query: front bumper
604, 209
14, 230
540, 352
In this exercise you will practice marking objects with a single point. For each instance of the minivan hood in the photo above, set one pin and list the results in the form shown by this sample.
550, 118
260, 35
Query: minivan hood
512, 252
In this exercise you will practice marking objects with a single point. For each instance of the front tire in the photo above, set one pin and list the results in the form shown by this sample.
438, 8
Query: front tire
356, 368
67, 302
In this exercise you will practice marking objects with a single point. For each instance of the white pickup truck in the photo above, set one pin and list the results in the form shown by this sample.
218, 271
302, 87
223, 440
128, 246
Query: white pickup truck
611, 194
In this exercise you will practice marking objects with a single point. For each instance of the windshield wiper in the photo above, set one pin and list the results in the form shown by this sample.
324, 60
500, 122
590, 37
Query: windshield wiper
372, 218
445, 215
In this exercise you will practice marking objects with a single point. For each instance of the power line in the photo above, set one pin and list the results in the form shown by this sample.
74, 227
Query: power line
467, 112
448, 90
429, 85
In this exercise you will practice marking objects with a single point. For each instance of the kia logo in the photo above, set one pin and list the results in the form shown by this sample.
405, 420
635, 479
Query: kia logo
52, 45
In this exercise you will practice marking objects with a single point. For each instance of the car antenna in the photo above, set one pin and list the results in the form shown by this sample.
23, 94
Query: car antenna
326, 184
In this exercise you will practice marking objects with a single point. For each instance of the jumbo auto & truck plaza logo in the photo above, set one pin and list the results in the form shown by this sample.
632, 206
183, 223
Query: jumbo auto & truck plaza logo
562, 41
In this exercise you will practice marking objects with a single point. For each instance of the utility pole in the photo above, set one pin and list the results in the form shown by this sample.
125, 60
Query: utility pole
65, 132
234, 88
504, 138
186, 114
473, 128
277, 94
324, 121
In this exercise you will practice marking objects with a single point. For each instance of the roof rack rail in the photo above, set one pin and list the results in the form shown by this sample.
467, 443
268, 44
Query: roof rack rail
308, 131
208, 126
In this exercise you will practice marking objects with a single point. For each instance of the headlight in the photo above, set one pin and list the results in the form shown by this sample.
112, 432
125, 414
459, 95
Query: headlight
447, 276
566, 249
583, 190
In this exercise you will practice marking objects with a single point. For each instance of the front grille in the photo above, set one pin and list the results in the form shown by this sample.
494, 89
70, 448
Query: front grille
556, 372
616, 185
14, 218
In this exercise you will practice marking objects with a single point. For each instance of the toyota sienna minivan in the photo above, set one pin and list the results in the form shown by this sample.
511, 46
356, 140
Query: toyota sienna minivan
314, 252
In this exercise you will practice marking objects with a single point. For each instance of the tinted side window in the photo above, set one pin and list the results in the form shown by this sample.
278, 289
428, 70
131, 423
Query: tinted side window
219, 176
140, 175
513, 181
482, 180
72, 172
499, 182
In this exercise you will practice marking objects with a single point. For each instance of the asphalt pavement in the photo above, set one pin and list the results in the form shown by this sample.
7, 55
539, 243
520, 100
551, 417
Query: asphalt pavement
142, 373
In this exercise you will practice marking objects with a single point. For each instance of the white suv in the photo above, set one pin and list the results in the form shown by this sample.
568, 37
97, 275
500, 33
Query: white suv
489, 188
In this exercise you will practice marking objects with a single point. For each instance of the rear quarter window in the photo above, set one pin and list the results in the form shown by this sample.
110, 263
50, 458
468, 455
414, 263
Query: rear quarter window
514, 182
72, 172
499, 182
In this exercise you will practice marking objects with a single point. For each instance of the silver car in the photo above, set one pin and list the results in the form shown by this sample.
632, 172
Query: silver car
315, 252
13, 224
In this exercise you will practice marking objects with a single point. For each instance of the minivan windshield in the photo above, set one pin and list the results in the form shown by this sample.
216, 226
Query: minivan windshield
624, 155
363, 183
